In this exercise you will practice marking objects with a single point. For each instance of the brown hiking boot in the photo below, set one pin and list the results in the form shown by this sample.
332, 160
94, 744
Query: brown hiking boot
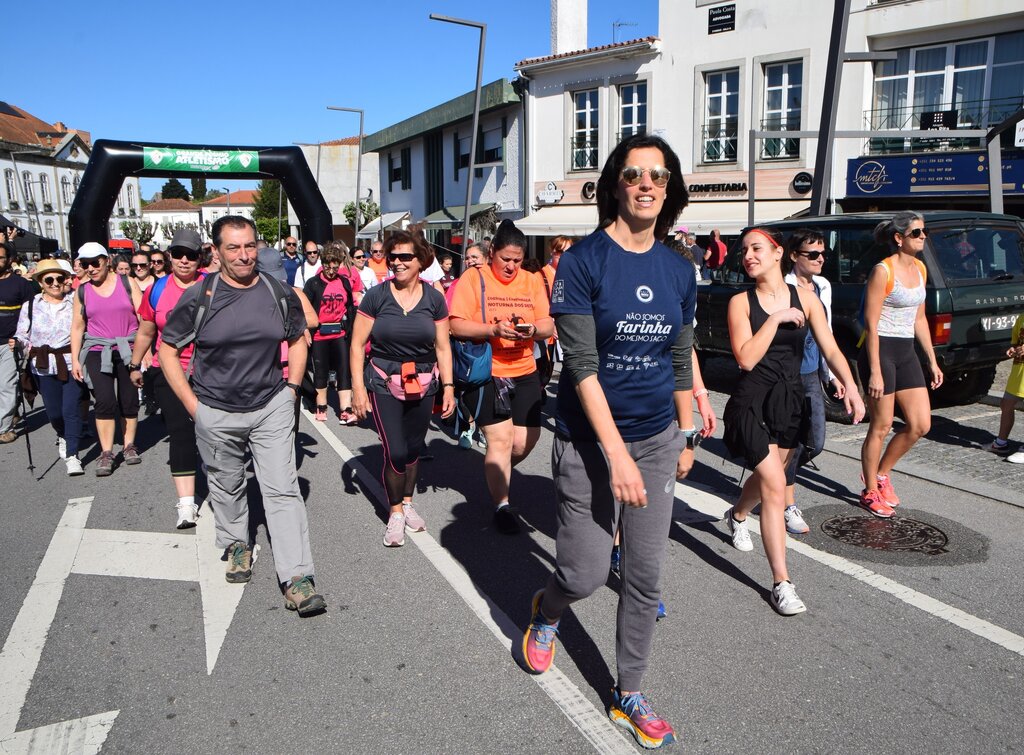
301, 596
105, 464
131, 454
239, 557
8, 437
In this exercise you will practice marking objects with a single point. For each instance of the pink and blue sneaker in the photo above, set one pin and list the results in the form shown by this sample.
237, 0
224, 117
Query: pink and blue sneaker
539, 639
634, 714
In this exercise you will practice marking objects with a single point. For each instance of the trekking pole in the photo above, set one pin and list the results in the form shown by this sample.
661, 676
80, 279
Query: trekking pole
24, 419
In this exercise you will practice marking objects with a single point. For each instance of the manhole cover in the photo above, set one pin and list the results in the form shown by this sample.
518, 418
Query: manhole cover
895, 534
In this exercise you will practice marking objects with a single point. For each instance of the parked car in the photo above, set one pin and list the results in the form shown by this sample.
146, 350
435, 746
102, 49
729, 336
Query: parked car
975, 291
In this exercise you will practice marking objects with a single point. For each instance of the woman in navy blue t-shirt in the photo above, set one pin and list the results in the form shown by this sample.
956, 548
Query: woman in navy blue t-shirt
624, 307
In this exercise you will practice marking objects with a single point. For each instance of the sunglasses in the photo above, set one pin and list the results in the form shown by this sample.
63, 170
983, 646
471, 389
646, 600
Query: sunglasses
312, 253
54, 280
916, 233
401, 256
140, 265
158, 260
632, 174
287, 244
186, 253
92, 262
811, 255
359, 256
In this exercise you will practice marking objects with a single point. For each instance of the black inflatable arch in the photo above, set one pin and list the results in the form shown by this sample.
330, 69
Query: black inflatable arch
112, 161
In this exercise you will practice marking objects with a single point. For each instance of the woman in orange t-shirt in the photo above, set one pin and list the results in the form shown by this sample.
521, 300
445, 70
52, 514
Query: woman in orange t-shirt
514, 315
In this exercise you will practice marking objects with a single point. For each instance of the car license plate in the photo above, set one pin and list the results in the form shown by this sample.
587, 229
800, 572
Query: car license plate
998, 322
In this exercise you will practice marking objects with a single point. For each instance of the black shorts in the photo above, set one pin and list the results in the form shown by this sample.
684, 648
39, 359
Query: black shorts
525, 407
331, 354
901, 367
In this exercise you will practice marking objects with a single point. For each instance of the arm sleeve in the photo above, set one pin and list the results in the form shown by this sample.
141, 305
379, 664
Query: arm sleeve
146, 309
682, 359
438, 307
577, 335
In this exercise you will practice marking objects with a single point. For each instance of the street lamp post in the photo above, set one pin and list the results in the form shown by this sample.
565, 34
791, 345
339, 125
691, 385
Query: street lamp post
476, 116
359, 161
227, 193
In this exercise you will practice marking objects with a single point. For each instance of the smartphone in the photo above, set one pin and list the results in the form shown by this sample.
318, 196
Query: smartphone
523, 327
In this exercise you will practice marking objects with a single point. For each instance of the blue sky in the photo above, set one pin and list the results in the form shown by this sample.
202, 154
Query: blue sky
262, 73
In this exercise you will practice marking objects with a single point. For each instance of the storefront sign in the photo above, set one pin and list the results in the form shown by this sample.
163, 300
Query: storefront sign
802, 182
722, 18
725, 188
200, 160
938, 174
551, 195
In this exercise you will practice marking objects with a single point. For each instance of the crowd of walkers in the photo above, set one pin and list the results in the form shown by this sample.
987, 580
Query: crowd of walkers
225, 347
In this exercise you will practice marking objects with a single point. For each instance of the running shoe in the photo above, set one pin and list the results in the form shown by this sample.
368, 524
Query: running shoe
394, 535
62, 449
74, 466
871, 500
616, 565
239, 557
634, 714
301, 596
1017, 458
785, 600
105, 464
187, 514
886, 490
661, 611
413, 521
539, 639
347, 417
999, 450
466, 439
795, 524
321, 413
740, 534
131, 454
506, 520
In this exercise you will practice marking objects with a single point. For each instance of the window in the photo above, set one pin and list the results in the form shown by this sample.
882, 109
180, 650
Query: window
493, 146
783, 94
26, 180
11, 183
460, 152
49, 232
44, 188
632, 109
131, 200
585, 130
400, 170
721, 123
77, 181
65, 190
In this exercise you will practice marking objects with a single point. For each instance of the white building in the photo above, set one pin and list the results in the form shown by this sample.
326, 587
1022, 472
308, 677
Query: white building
239, 202
334, 165
720, 69
41, 165
165, 214
424, 162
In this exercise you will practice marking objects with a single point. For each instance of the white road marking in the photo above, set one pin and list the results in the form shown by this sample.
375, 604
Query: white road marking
24, 648
146, 555
708, 503
602, 734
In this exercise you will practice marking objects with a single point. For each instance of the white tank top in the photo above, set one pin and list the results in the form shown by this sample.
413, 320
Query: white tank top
899, 310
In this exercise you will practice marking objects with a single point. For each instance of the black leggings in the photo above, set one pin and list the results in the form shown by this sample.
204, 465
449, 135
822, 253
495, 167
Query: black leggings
109, 400
182, 453
402, 426
328, 355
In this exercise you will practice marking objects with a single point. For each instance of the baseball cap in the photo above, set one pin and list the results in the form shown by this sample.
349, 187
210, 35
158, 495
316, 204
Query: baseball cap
268, 260
187, 239
92, 249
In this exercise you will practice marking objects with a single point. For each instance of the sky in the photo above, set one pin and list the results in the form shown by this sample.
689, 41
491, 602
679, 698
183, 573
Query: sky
263, 73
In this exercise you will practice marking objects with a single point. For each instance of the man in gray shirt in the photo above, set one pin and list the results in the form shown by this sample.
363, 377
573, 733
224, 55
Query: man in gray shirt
238, 399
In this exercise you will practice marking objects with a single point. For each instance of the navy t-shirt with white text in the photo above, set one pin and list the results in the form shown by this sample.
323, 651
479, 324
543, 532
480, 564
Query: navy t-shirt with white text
639, 302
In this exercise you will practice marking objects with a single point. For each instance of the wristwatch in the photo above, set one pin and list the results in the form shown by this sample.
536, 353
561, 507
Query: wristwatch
693, 438
133, 367
295, 387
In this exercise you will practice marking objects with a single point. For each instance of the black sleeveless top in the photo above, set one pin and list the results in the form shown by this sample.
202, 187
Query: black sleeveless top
782, 360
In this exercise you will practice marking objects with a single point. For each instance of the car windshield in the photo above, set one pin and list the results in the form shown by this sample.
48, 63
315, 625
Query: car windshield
970, 253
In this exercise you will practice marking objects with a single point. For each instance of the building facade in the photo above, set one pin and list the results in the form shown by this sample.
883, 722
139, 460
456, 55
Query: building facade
167, 214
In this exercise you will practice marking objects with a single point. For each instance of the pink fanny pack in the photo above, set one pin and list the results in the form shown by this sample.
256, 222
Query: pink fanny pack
408, 384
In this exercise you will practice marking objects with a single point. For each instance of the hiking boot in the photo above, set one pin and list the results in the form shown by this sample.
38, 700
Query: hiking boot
634, 714
74, 466
8, 437
187, 514
886, 490
871, 500
539, 639
506, 521
394, 535
301, 596
795, 524
239, 557
131, 454
413, 521
105, 464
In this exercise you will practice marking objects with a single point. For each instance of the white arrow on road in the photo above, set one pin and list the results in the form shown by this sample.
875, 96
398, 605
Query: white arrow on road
74, 549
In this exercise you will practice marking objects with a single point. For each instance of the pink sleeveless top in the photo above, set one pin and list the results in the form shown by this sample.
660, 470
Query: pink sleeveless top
112, 316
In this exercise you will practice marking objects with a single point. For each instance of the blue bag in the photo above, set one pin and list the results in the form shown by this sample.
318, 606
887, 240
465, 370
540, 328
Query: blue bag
471, 362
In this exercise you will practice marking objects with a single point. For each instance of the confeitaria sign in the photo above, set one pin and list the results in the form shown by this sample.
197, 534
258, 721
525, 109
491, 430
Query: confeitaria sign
201, 160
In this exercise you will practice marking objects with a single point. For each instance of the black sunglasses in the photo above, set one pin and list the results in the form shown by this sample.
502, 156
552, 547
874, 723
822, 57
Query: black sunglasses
359, 256
188, 254
811, 255
312, 252
91, 262
916, 233
140, 264
54, 280
158, 260
401, 256
291, 244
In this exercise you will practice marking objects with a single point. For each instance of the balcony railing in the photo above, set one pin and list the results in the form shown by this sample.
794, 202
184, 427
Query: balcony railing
583, 154
780, 149
720, 140
975, 114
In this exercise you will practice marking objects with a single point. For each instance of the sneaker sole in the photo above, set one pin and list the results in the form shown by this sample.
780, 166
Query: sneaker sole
393, 545
308, 607
104, 472
780, 612
619, 718
797, 532
133, 462
185, 525
882, 515
534, 605
238, 578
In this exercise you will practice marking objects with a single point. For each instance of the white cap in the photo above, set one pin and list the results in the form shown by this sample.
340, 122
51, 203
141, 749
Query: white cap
92, 249
66, 267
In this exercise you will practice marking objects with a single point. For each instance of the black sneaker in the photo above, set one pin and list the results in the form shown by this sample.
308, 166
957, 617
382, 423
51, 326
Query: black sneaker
507, 521
1000, 450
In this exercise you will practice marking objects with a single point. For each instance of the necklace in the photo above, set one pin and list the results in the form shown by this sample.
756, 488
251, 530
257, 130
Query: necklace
409, 302
772, 294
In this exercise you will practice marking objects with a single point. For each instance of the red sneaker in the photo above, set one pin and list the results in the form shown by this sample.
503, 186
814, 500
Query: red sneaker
886, 490
634, 714
539, 639
872, 501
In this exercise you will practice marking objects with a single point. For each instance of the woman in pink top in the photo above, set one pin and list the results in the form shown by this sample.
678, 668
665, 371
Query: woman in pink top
103, 326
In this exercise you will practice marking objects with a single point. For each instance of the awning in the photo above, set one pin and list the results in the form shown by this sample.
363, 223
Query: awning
387, 221
560, 220
451, 217
730, 218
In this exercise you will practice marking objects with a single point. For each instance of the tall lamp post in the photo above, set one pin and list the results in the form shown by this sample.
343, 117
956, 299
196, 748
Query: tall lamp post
476, 116
359, 162
227, 193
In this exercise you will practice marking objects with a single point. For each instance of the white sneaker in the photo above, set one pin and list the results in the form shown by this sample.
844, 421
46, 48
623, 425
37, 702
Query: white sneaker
740, 534
74, 466
62, 449
795, 524
187, 514
1017, 458
785, 600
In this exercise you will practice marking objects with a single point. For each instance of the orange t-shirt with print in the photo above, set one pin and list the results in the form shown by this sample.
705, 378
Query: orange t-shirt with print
523, 296
380, 269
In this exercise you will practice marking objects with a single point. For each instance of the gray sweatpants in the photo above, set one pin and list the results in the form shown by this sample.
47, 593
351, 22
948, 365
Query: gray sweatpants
588, 516
8, 387
269, 433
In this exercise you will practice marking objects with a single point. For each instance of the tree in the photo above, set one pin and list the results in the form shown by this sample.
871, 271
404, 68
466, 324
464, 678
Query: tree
198, 188
368, 210
169, 229
266, 203
174, 189
141, 232
267, 229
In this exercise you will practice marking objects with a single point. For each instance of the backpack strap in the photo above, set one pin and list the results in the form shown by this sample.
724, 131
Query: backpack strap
206, 291
483, 300
277, 288
156, 291
81, 299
